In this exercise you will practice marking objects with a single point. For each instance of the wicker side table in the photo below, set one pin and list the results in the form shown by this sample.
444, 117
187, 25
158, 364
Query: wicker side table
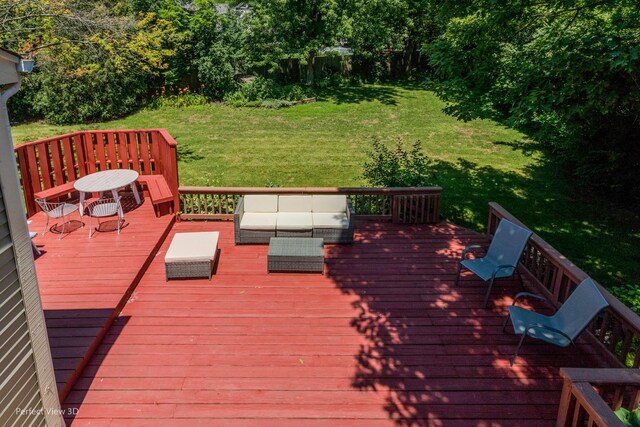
295, 254
191, 255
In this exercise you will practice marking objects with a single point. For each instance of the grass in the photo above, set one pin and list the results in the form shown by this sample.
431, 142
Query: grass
324, 144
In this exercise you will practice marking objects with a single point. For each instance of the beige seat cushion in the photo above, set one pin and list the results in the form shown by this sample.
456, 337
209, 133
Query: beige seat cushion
330, 220
328, 203
261, 203
192, 247
258, 221
294, 203
294, 221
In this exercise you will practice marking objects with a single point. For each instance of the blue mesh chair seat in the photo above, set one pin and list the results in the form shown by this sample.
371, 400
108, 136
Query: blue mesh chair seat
565, 325
502, 256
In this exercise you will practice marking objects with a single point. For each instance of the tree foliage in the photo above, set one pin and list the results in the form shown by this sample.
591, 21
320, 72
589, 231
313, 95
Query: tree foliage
93, 62
218, 49
567, 73
283, 29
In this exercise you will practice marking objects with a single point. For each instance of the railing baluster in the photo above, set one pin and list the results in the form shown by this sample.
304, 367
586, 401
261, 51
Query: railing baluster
589, 396
375, 203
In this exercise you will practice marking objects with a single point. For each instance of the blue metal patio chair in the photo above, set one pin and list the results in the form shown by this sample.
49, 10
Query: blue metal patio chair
565, 325
502, 256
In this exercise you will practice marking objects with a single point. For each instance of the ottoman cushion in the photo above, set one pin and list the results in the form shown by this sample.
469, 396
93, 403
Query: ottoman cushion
330, 220
329, 203
294, 203
192, 247
258, 221
261, 203
294, 221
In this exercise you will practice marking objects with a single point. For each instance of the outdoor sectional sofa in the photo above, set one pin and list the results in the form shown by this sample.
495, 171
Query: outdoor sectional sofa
258, 218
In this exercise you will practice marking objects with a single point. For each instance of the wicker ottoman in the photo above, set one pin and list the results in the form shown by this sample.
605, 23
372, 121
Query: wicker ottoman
295, 254
191, 255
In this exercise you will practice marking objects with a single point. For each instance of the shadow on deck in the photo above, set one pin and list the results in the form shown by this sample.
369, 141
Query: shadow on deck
381, 339
84, 283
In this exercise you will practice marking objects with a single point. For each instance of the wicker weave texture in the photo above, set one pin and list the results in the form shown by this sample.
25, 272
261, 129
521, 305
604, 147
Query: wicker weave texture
254, 236
337, 235
293, 233
295, 254
176, 270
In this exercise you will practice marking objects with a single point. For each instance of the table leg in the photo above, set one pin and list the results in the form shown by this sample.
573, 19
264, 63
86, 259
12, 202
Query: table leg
81, 203
33, 234
115, 197
134, 188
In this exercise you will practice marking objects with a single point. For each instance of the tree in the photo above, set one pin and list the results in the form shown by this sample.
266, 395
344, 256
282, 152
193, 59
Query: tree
567, 73
396, 25
218, 51
93, 60
299, 29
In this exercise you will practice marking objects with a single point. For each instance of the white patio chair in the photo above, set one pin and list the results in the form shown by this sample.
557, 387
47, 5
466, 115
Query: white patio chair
56, 210
103, 208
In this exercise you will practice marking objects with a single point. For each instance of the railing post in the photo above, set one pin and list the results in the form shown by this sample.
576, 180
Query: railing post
168, 158
27, 188
565, 403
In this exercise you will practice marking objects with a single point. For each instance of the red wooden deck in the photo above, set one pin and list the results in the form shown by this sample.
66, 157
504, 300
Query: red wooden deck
381, 339
84, 282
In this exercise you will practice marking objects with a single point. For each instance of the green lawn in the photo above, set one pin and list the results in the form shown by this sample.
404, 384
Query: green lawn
324, 144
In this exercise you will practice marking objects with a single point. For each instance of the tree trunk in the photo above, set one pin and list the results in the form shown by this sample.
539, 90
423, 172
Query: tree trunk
311, 60
407, 57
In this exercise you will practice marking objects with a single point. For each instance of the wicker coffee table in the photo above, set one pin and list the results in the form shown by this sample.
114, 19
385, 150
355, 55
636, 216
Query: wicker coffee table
296, 254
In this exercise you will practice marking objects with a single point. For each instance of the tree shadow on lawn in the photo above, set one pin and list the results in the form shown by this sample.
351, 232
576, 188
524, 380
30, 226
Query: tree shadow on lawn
355, 94
590, 235
430, 349
187, 154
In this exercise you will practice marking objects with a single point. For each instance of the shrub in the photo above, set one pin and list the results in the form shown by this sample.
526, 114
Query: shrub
397, 167
262, 92
96, 94
180, 100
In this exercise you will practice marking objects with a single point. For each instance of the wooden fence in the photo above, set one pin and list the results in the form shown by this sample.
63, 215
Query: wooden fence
415, 205
616, 331
49, 162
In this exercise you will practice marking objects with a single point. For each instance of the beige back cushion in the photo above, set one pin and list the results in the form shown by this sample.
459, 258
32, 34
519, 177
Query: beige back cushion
265, 203
294, 204
327, 203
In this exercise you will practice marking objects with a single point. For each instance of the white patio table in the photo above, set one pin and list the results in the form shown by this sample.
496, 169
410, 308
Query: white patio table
109, 180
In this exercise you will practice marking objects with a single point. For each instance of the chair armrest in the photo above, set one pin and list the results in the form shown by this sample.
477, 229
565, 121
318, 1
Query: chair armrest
502, 267
468, 248
239, 212
548, 328
351, 212
527, 294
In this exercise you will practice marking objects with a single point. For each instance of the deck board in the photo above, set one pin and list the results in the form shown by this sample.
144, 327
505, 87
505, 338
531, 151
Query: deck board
381, 339
82, 281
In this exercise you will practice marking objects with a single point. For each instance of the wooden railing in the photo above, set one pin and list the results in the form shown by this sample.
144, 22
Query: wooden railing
49, 162
589, 396
616, 331
415, 205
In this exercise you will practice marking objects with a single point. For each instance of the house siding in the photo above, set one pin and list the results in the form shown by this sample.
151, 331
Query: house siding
20, 399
